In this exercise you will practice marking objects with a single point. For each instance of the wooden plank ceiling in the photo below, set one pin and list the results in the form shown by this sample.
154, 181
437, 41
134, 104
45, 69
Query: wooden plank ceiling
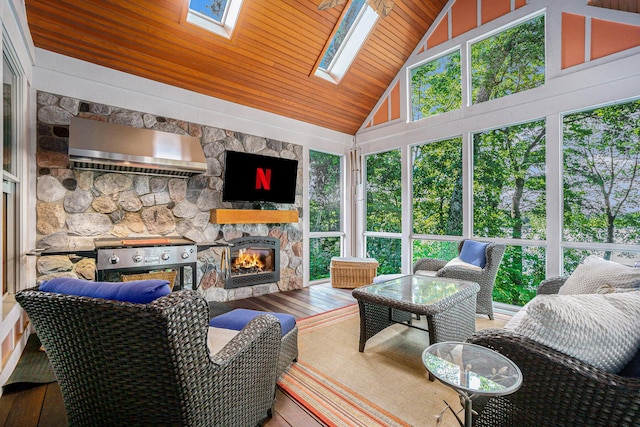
268, 64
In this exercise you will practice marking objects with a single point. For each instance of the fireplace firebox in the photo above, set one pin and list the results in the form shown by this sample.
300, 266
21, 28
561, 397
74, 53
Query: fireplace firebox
254, 260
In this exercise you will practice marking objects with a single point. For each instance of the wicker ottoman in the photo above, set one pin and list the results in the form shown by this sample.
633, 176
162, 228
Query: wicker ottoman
352, 273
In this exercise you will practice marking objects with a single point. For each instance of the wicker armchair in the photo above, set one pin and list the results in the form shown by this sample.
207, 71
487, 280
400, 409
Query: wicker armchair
485, 278
123, 364
557, 390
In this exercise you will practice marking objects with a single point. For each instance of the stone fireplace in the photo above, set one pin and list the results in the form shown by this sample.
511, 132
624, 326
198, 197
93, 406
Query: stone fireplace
253, 260
75, 206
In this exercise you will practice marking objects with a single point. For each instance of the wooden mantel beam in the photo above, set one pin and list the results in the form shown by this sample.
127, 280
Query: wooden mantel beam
251, 216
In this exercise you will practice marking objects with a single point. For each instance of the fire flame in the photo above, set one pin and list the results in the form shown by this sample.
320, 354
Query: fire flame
247, 259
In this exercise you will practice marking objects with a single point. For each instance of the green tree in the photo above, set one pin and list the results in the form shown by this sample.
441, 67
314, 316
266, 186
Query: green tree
437, 188
601, 175
384, 192
510, 200
436, 86
384, 208
324, 191
321, 250
324, 211
509, 62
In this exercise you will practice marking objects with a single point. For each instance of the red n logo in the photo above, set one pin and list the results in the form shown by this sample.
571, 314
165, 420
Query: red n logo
263, 179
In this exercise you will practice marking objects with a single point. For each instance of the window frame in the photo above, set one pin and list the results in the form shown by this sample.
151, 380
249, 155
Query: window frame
467, 74
225, 27
432, 58
341, 233
353, 42
11, 182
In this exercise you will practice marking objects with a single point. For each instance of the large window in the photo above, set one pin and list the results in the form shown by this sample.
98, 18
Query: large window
436, 86
437, 188
509, 202
384, 210
9, 175
509, 62
602, 182
325, 212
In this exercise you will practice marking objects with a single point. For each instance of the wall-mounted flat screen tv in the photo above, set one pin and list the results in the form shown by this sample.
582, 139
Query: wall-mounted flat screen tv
257, 178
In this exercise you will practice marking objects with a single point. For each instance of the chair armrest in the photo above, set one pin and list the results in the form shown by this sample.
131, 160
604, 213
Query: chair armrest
461, 273
263, 331
429, 264
551, 285
557, 389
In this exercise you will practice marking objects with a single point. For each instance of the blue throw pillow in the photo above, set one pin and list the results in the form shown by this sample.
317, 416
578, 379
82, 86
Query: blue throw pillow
473, 252
138, 291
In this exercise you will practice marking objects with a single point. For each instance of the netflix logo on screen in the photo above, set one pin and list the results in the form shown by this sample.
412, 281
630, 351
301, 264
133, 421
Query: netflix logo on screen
257, 178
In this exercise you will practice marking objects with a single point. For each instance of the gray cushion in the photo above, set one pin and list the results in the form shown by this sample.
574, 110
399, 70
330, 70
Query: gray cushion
595, 272
598, 329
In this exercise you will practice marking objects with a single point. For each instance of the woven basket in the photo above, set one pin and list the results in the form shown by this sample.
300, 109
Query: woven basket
169, 276
352, 273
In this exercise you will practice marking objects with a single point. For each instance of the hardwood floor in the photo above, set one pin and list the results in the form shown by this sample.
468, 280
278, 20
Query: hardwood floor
42, 405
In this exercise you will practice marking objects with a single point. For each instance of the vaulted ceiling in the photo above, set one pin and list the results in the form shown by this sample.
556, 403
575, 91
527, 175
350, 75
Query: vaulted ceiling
268, 63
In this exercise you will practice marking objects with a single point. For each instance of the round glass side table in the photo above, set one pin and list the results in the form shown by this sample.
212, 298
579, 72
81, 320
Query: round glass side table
472, 371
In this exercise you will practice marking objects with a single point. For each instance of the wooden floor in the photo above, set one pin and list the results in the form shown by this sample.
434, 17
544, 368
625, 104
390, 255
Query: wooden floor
42, 405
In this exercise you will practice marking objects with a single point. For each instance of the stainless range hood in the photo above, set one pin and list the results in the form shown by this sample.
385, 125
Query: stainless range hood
112, 147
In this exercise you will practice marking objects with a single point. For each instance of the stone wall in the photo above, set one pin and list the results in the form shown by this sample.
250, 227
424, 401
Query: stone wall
74, 207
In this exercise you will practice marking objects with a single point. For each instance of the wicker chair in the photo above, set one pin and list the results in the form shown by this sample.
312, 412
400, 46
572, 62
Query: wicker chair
123, 364
485, 278
557, 390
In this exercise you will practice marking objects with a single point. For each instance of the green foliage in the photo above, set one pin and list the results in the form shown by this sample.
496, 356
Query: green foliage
321, 250
436, 86
437, 188
522, 269
601, 173
509, 62
388, 253
324, 191
434, 249
509, 182
384, 192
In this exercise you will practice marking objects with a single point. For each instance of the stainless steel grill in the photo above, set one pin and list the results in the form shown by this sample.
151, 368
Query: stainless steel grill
115, 257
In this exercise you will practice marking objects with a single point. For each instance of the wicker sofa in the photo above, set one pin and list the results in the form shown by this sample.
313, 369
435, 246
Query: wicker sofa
120, 363
557, 390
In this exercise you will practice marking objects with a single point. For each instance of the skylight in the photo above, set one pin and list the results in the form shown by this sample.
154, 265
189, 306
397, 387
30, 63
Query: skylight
356, 25
217, 16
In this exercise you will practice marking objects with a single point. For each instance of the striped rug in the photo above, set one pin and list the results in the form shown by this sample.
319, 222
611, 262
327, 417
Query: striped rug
387, 385
323, 396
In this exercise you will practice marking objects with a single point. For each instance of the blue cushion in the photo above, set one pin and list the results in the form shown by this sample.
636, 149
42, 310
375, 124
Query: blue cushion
137, 291
238, 319
473, 252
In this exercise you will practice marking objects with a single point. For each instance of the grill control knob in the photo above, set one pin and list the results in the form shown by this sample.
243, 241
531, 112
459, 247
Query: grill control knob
114, 259
165, 256
137, 258
185, 255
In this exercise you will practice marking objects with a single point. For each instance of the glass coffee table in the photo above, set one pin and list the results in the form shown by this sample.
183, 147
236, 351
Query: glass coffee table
472, 371
448, 304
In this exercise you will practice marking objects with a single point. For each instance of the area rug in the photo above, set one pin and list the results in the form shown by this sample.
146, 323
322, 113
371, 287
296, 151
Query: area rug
387, 385
33, 366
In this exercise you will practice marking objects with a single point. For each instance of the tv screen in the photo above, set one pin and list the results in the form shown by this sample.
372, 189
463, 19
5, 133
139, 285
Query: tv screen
257, 178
